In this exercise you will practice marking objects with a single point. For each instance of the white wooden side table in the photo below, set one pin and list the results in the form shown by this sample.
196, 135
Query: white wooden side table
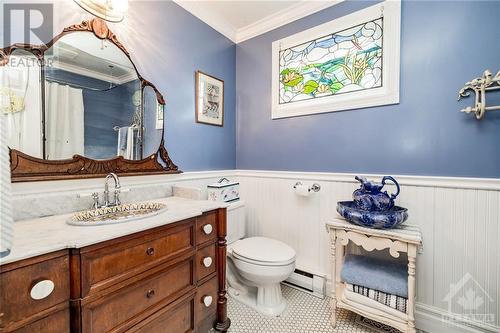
405, 239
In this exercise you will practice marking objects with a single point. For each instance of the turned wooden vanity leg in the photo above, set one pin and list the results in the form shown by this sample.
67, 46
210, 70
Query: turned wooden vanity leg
412, 254
223, 322
333, 305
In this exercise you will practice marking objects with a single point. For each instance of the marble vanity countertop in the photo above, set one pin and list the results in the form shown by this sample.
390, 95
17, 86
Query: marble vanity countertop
39, 236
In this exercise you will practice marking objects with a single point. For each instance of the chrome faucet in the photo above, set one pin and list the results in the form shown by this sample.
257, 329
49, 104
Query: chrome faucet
117, 191
106, 202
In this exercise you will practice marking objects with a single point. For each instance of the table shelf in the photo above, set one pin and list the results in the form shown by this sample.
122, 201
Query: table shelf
405, 239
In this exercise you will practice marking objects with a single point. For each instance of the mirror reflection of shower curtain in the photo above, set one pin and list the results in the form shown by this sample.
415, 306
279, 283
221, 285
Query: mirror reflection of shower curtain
64, 121
20, 104
127, 139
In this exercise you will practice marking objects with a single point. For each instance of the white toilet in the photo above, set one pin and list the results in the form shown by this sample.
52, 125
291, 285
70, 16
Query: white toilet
256, 265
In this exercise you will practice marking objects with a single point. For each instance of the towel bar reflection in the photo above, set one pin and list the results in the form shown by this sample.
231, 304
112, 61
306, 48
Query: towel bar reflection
315, 187
117, 128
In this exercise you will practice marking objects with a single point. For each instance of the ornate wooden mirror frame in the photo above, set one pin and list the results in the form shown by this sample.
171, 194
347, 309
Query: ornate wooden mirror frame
28, 168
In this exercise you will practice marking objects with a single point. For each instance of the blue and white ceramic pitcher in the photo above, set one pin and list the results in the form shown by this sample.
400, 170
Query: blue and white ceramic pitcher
370, 197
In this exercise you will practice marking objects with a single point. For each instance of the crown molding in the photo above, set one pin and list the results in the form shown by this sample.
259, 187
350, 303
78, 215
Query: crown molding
282, 17
96, 75
268, 23
214, 20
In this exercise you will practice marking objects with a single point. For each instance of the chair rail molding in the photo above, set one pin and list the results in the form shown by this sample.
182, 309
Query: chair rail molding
58, 186
412, 180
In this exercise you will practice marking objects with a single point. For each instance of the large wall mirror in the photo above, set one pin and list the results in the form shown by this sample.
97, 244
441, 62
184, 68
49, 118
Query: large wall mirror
77, 107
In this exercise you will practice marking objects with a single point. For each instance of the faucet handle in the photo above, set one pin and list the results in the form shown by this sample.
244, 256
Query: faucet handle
118, 191
117, 197
85, 194
95, 197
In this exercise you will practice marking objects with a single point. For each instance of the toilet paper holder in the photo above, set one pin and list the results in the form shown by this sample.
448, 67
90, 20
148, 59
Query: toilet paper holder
315, 187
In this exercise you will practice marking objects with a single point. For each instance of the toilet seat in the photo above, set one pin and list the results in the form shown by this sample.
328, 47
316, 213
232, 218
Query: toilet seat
263, 251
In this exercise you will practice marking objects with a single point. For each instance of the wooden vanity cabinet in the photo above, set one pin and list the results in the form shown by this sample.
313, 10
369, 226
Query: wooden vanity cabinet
166, 279
27, 303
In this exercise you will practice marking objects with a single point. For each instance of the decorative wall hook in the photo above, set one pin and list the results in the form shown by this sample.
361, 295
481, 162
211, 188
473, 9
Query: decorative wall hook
480, 86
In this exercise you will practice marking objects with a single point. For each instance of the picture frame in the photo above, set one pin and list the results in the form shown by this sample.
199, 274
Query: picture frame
349, 63
209, 99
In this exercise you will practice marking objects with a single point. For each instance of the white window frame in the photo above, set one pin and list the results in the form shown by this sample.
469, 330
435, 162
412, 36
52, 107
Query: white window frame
385, 95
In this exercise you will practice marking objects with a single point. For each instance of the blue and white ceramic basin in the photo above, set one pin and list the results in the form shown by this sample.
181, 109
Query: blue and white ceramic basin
372, 219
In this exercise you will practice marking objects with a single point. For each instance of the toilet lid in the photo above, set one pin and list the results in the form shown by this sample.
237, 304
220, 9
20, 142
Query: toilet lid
264, 250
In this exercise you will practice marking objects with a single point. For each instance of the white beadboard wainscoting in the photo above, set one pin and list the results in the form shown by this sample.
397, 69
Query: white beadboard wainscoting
459, 219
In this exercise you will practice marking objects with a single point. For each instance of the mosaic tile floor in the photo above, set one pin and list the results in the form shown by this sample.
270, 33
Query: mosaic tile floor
304, 314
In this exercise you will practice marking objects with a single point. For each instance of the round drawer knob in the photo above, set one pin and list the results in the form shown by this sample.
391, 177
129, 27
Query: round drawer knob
207, 262
207, 229
42, 289
150, 293
207, 300
150, 251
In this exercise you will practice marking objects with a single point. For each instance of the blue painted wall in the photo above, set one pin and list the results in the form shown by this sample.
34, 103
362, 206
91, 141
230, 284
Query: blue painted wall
443, 45
168, 45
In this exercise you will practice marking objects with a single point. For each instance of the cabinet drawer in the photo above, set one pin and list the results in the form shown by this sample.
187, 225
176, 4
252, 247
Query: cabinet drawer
206, 227
176, 318
57, 322
18, 285
116, 262
205, 310
111, 311
205, 261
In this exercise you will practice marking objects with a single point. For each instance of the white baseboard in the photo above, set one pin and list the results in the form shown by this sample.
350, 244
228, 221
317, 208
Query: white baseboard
430, 319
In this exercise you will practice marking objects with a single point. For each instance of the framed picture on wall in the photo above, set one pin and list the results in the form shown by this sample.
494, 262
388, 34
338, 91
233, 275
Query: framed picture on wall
349, 63
209, 99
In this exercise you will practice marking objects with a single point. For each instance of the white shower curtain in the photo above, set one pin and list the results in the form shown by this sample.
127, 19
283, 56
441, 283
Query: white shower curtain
64, 121
20, 104
126, 142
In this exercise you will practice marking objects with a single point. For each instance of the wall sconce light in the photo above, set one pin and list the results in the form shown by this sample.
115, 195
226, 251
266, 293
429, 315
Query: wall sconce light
109, 10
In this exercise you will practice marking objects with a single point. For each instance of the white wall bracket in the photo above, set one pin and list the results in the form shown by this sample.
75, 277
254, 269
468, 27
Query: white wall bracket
480, 86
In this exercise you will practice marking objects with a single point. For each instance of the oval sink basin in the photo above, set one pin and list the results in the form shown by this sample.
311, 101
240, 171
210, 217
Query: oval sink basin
117, 214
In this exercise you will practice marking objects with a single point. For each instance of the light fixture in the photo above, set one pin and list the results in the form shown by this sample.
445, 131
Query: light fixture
109, 10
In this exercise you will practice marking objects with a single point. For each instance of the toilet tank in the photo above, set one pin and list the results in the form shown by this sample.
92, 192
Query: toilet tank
236, 221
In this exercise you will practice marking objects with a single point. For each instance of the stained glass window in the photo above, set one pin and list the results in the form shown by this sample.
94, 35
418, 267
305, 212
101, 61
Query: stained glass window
345, 61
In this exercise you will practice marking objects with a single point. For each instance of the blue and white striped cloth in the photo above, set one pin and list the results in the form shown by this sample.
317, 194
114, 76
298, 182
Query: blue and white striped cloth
396, 302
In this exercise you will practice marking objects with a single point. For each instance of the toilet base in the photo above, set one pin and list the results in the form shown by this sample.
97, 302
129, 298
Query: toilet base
266, 300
